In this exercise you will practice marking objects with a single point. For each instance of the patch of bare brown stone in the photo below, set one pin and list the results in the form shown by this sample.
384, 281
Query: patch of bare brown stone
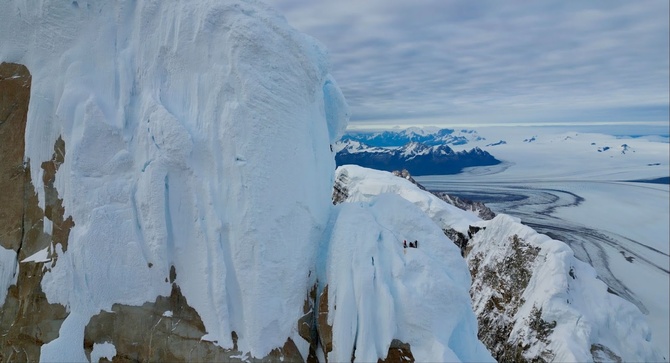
167, 330
27, 319
324, 330
398, 352
307, 325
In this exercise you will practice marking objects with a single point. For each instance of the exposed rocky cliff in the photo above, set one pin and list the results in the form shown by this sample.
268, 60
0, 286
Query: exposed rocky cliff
167, 329
27, 319
535, 302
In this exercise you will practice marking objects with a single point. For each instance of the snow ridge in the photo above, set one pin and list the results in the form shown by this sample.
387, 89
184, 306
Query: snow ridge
380, 291
365, 184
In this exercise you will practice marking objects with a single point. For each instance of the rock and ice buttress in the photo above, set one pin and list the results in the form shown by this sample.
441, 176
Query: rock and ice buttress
166, 182
155, 140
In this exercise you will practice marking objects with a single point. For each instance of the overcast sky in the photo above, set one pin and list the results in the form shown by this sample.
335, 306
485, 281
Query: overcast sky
492, 62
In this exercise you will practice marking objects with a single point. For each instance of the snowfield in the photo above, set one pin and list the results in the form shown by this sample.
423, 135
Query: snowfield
551, 154
365, 184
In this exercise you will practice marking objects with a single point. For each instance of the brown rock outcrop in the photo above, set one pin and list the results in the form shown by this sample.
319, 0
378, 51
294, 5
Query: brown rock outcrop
307, 324
325, 331
167, 330
27, 319
398, 352
14, 98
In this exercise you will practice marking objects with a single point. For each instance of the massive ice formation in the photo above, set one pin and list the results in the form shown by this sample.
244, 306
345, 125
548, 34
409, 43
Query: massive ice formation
196, 135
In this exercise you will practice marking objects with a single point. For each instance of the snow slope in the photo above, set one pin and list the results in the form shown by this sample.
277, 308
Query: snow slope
365, 184
171, 115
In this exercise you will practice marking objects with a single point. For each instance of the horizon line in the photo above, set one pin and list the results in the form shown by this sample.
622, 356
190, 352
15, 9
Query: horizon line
353, 125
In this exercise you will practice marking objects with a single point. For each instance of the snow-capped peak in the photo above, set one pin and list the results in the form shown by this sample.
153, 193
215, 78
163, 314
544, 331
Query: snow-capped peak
414, 149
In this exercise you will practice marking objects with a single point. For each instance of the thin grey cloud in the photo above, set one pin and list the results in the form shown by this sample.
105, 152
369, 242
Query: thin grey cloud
493, 61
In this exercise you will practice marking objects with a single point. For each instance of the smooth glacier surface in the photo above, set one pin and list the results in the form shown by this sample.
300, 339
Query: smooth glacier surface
560, 154
197, 136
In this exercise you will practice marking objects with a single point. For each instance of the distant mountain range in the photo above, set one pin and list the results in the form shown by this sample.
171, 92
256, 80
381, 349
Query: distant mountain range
418, 158
426, 136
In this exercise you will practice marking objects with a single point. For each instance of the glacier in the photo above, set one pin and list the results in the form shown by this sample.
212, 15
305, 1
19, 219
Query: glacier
180, 161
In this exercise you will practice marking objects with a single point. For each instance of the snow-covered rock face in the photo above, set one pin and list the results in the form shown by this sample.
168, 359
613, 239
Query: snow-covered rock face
419, 158
536, 302
171, 114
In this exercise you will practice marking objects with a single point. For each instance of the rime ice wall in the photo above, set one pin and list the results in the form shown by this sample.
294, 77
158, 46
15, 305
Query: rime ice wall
197, 137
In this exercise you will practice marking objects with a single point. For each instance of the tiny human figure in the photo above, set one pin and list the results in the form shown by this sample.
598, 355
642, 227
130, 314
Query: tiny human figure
404, 244
411, 245
416, 243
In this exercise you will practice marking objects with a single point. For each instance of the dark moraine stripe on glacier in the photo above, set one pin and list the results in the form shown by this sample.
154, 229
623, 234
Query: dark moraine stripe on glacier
534, 204
663, 180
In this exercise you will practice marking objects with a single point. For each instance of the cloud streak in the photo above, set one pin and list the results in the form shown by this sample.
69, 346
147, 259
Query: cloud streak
492, 61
